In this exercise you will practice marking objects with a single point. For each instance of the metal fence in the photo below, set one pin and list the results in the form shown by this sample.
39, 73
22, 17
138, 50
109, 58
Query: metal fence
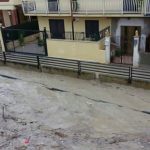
126, 72
141, 74
25, 41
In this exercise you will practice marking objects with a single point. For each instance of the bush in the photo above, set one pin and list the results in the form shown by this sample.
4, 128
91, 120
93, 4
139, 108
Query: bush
95, 37
119, 52
21, 38
40, 42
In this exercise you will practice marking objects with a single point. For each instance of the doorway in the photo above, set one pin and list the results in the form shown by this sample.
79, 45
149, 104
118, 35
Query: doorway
92, 29
57, 29
123, 53
127, 34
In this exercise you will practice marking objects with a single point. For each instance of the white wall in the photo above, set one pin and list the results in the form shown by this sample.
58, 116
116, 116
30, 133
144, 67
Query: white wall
129, 22
143, 22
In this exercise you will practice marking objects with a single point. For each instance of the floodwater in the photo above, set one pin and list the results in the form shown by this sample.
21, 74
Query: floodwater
40, 111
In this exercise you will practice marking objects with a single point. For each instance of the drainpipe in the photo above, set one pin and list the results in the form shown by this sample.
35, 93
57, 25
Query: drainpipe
72, 19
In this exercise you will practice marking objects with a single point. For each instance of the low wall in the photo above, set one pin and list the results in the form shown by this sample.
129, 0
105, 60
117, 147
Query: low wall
79, 50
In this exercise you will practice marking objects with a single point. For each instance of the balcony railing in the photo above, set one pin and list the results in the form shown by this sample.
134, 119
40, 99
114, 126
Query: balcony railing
44, 6
79, 36
147, 7
108, 6
101, 7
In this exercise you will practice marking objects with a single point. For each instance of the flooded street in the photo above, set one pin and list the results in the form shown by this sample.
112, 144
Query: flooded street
40, 111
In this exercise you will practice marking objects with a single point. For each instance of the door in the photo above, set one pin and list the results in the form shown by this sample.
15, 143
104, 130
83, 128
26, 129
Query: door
92, 29
57, 28
53, 5
127, 44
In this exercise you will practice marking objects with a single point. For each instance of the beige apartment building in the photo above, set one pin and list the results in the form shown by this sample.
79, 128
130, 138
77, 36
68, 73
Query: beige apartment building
76, 28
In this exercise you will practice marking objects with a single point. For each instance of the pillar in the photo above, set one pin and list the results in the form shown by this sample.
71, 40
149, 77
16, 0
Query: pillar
1, 39
107, 47
136, 55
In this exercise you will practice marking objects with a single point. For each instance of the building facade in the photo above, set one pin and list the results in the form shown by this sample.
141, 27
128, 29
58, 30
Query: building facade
76, 28
11, 12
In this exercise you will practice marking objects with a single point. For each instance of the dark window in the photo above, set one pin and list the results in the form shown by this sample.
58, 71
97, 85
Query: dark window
57, 28
92, 29
53, 5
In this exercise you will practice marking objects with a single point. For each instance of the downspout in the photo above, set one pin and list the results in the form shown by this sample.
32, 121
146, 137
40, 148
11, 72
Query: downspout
72, 19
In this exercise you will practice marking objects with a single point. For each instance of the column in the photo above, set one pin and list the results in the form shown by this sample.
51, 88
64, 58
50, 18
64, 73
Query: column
136, 55
107, 47
1, 39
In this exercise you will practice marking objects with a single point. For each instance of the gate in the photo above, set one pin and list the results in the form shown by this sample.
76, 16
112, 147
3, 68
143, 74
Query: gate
122, 50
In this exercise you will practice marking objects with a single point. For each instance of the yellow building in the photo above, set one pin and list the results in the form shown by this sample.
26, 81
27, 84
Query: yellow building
76, 28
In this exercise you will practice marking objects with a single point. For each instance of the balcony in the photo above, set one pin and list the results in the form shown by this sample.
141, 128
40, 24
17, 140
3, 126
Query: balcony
111, 7
88, 7
46, 7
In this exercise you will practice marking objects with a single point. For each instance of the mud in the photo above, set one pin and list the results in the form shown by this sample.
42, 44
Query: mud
40, 111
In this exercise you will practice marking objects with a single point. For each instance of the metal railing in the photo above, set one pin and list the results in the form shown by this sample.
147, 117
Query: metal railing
25, 41
29, 6
133, 6
45, 7
126, 72
102, 7
147, 7
80, 36
140, 74
109, 6
67, 35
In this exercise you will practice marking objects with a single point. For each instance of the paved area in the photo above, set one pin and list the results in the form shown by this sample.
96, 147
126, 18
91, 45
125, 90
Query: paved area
42, 111
31, 47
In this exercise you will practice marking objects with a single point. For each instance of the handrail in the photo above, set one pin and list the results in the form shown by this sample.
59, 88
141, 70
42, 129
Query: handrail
102, 32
